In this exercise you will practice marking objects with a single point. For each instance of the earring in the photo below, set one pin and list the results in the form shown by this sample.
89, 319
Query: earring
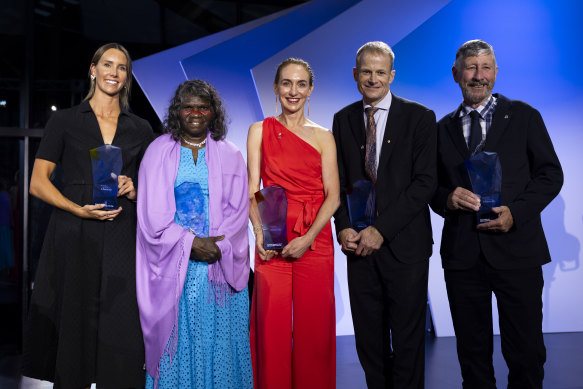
275, 104
308, 106
92, 77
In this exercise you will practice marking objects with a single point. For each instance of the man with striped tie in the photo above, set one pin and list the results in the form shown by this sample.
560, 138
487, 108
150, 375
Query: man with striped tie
390, 142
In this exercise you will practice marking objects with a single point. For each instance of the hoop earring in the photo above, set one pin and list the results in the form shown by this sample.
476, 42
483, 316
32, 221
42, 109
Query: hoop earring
276, 104
308, 106
92, 77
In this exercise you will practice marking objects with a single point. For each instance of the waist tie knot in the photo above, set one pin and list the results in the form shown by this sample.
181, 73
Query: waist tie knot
310, 206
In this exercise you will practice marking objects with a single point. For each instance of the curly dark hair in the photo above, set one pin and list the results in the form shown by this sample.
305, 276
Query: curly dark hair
204, 90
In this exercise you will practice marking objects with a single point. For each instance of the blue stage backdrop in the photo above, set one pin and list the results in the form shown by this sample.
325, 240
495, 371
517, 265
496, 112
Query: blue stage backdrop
537, 49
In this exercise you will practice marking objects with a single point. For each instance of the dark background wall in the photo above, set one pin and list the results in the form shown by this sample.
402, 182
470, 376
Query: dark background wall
47, 44
45, 50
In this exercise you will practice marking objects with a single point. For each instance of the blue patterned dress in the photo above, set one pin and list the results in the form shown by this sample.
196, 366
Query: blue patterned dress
213, 339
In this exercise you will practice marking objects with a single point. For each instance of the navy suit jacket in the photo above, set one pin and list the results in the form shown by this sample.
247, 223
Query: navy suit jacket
406, 174
531, 178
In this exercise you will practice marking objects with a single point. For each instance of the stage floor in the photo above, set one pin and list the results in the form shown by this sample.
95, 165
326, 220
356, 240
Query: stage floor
563, 369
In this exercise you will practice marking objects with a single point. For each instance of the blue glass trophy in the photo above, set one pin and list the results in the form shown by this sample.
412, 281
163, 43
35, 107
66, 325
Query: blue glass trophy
485, 174
360, 199
106, 163
272, 204
190, 208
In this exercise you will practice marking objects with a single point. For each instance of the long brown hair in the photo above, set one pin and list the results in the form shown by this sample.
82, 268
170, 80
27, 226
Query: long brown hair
124, 94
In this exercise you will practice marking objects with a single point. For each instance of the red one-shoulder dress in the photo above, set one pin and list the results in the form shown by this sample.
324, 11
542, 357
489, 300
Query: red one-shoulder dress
293, 324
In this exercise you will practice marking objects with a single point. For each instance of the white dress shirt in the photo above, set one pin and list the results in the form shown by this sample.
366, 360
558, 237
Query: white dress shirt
380, 118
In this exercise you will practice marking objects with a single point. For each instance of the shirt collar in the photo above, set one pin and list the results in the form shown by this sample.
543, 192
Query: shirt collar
482, 109
86, 107
384, 104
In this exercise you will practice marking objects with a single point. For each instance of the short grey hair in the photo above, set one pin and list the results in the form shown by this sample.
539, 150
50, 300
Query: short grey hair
376, 47
473, 48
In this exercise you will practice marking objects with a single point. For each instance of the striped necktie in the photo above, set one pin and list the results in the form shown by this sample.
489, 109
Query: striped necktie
370, 159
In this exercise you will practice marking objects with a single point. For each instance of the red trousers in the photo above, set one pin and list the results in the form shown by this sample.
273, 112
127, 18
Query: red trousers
293, 323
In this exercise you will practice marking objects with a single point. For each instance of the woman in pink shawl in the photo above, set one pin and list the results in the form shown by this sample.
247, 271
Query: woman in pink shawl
192, 260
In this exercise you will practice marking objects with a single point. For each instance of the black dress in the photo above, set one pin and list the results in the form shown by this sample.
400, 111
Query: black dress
83, 323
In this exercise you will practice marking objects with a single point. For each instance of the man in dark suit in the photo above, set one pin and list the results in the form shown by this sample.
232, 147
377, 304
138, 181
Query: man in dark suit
503, 256
392, 142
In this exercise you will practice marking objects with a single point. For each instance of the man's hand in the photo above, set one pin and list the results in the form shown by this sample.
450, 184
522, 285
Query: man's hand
348, 238
370, 240
462, 199
503, 223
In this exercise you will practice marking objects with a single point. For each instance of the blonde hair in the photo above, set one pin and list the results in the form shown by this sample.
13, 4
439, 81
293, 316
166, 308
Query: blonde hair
295, 61
376, 47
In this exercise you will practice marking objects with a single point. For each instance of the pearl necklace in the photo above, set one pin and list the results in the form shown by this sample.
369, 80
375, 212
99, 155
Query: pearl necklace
200, 144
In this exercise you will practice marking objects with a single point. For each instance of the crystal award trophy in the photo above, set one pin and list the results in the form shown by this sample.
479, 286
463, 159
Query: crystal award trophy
106, 163
272, 204
190, 208
486, 177
360, 199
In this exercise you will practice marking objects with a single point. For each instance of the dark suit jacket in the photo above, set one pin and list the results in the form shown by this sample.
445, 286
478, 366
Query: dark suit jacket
406, 175
531, 178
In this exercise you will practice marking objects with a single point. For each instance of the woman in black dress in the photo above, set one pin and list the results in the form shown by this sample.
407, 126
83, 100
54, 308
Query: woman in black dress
83, 324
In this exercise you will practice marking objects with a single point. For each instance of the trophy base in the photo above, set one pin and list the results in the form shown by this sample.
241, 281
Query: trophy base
273, 246
274, 239
360, 198
359, 226
486, 215
110, 202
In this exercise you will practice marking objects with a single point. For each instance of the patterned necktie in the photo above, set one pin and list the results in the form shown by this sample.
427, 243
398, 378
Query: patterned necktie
370, 159
475, 132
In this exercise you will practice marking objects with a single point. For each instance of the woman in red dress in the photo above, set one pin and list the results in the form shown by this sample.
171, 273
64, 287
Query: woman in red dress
294, 289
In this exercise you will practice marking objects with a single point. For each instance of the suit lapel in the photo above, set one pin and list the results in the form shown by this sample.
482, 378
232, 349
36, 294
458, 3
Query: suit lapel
357, 127
500, 121
393, 130
456, 133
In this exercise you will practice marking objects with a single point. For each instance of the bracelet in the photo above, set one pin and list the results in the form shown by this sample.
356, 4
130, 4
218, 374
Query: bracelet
257, 228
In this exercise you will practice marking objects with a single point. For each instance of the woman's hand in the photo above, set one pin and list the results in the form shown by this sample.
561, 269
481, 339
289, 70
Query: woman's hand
42, 187
96, 212
297, 247
125, 187
205, 249
265, 255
